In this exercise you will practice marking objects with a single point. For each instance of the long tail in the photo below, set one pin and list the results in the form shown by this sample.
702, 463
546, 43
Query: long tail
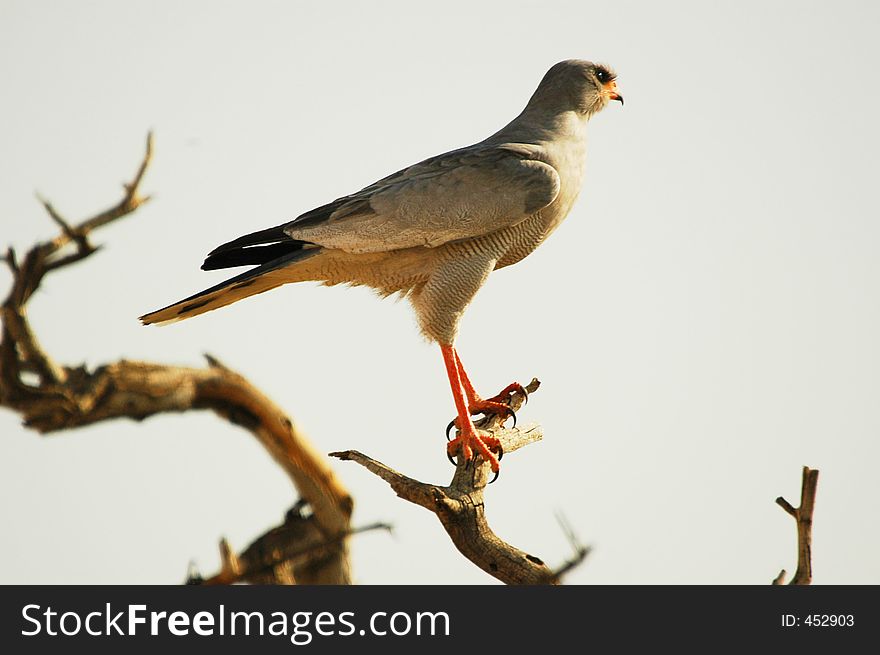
275, 252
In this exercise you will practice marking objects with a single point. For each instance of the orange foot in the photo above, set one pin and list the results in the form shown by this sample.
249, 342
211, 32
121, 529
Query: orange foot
498, 404
469, 442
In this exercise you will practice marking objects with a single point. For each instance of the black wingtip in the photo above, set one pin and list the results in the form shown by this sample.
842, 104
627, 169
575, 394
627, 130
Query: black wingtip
251, 255
269, 235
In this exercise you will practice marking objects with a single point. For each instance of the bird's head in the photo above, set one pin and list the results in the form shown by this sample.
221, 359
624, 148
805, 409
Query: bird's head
577, 85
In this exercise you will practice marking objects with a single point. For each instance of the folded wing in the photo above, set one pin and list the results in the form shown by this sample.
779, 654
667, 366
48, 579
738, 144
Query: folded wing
462, 194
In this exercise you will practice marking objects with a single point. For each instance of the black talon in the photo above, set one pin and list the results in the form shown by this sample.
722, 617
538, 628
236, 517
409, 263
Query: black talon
495, 477
513, 414
449, 429
500, 452
451, 461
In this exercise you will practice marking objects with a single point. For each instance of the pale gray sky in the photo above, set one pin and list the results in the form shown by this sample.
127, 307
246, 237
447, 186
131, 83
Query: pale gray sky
705, 322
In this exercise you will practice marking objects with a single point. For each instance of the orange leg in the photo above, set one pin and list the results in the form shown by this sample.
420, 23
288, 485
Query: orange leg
468, 440
493, 405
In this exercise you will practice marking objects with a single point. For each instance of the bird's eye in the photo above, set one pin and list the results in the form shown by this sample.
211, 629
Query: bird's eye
602, 76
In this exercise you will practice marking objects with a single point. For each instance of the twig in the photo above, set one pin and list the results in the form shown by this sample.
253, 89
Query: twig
803, 517
581, 551
55, 216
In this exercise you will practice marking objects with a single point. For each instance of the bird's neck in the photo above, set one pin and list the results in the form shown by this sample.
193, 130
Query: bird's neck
541, 127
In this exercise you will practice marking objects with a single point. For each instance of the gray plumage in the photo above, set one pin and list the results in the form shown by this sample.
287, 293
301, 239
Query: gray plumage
435, 230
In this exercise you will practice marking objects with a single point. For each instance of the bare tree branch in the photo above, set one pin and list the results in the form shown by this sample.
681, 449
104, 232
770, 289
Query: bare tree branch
803, 517
581, 551
285, 554
69, 397
460, 506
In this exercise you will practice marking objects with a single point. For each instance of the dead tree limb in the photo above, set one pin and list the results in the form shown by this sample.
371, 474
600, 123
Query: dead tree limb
461, 509
803, 517
282, 554
51, 397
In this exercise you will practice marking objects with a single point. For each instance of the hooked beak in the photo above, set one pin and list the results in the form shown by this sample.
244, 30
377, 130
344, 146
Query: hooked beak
610, 89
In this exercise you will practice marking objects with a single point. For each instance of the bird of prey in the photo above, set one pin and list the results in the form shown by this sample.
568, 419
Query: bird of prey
434, 231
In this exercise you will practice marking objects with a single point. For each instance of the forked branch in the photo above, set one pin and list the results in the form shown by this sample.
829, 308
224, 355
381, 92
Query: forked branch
803, 517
